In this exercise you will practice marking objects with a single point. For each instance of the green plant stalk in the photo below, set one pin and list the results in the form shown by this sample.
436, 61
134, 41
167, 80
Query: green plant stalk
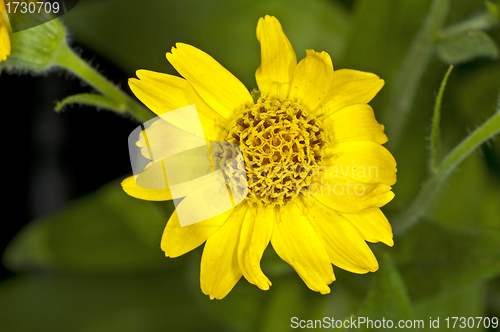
69, 60
408, 78
419, 205
435, 135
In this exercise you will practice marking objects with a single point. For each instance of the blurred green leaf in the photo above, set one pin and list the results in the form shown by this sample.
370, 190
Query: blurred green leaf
388, 297
463, 301
493, 8
472, 184
107, 231
493, 298
239, 310
277, 313
140, 303
467, 46
433, 260
481, 21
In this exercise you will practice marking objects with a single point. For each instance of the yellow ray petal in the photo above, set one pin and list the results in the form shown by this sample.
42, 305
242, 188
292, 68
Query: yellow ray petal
220, 89
160, 92
344, 245
162, 139
255, 235
177, 240
4, 42
372, 225
163, 93
362, 161
296, 242
355, 123
278, 63
350, 87
215, 127
312, 79
220, 270
131, 188
347, 195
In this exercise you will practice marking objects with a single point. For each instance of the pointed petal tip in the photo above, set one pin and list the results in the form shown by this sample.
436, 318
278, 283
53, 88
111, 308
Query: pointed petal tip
264, 284
389, 242
325, 290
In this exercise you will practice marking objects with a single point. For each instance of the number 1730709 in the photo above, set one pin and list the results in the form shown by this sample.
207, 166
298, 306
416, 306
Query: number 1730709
32, 7
471, 322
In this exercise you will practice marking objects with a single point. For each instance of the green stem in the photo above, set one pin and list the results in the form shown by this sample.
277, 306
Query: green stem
435, 135
416, 210
409, 76
487, 130
69, 60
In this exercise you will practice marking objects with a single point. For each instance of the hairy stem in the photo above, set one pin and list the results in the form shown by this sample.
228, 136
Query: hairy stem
418, 207
69, 60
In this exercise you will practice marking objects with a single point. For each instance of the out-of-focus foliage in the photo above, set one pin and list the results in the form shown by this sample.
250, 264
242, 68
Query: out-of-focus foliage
107, 232
97, 265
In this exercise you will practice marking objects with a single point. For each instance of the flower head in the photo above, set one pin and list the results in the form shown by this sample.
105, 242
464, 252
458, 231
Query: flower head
4, 33
317, 173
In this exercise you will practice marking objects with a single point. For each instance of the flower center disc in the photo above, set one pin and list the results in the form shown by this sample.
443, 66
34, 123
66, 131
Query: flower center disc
281, 144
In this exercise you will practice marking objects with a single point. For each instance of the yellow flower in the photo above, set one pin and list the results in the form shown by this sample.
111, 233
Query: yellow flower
4, 33
311, 135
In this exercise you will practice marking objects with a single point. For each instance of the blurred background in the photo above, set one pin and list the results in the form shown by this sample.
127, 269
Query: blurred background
81, 255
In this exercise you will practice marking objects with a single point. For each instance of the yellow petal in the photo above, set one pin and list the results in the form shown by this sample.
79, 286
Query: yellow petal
163, 93
161, 139
296, 242
362, 161
312, 79
160, 92
347, 195
178, 240
187, 166
215, 127
220, 270
4, 42
350, 87
220, 89
256, 232
278, 63
372, 225
344, 245
355, 123
131, 188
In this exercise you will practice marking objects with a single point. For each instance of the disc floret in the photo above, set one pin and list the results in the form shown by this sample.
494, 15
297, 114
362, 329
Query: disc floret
281, 145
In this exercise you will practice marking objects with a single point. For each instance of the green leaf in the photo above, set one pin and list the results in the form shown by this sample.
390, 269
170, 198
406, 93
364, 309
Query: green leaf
276, 314
92, 99
388, 297
434, 260
84, 303
493, 8
481, 21
462, 301
467, 46
472, 184
107, 231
